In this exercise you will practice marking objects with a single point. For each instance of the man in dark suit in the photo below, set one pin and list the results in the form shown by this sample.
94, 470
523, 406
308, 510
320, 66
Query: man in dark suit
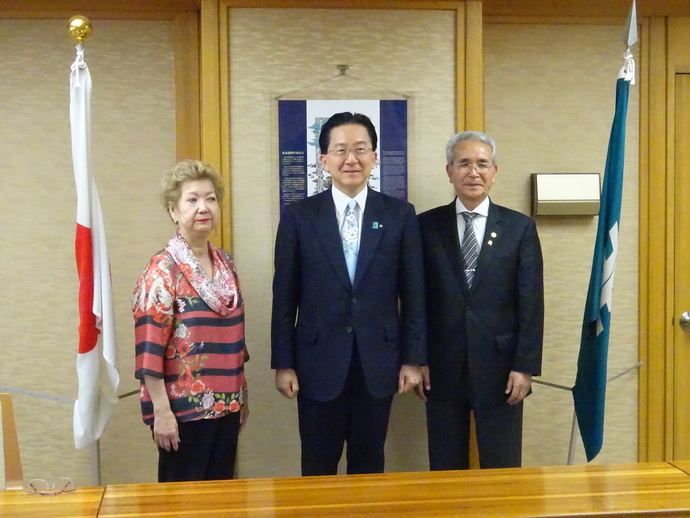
348, 323
485, 314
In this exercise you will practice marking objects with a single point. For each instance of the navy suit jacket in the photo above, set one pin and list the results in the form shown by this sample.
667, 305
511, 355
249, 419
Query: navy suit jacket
497, 325
317, 312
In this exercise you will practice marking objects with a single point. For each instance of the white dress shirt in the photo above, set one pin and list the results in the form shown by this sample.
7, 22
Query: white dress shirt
341, 200
479, 222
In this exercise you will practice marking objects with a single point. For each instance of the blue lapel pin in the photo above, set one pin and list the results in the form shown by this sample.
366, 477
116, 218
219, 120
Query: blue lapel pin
375, 225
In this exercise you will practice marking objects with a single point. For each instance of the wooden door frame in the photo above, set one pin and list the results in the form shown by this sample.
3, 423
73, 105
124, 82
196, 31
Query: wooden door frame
215, 116
681, 339
657, 320
655, 386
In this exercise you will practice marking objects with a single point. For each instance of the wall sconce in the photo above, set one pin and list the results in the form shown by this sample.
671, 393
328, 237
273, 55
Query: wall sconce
565, 194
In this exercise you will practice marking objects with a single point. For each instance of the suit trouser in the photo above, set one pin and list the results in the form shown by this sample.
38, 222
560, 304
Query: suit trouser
355, 418
207, 451
499, 434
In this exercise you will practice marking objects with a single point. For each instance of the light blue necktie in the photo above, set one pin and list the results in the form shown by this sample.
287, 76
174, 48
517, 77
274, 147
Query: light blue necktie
470, 247
350, 237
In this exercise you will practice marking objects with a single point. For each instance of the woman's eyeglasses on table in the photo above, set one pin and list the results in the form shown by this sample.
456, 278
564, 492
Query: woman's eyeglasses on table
39, 486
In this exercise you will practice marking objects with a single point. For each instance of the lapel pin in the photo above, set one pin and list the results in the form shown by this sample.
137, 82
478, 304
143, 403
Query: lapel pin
489, 242
375, 225
493, 234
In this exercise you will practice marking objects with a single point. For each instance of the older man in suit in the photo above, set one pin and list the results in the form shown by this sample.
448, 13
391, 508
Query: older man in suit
485, 312
348, 323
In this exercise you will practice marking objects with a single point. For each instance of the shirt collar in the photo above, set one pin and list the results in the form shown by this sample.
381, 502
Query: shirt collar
340, 199
482, 209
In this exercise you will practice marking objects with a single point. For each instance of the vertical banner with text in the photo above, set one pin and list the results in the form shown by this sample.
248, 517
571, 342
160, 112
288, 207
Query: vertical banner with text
299, 126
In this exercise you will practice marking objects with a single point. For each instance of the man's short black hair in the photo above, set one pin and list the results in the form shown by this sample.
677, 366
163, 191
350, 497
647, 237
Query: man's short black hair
342, 118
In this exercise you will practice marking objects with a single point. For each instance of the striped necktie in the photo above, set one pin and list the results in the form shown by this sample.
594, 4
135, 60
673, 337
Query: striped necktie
470, 247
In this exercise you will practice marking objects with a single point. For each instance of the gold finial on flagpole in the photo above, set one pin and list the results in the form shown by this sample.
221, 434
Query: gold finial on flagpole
79, 28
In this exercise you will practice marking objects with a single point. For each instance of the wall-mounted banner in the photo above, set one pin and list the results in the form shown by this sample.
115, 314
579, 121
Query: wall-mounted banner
299, 125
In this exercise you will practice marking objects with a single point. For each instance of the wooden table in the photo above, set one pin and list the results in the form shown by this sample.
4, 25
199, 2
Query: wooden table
683, 465
652, 489
82, 503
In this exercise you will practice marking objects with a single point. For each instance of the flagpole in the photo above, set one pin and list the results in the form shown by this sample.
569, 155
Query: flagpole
589, 391
97, 373
96, 462
79, 28
571, 447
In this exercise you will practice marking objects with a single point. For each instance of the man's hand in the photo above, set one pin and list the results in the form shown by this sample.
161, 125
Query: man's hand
410, 377
518, 386
286, 382
423, 385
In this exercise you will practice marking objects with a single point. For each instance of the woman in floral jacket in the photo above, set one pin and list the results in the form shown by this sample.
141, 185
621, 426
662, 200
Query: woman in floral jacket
189, 334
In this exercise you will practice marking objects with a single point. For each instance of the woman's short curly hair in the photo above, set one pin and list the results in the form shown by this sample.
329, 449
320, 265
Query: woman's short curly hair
187, 171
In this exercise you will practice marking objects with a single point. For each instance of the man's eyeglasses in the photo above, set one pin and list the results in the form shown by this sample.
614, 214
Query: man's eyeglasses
39, 486
481, 167
342, 152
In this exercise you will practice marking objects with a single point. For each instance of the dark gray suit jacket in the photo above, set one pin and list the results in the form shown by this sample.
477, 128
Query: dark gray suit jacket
317, 312
497, 325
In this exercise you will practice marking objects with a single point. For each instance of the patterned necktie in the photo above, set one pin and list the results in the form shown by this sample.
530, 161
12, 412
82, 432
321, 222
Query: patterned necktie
350, 237
470, 247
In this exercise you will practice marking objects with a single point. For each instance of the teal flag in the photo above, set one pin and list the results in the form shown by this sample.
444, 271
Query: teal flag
589, 391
